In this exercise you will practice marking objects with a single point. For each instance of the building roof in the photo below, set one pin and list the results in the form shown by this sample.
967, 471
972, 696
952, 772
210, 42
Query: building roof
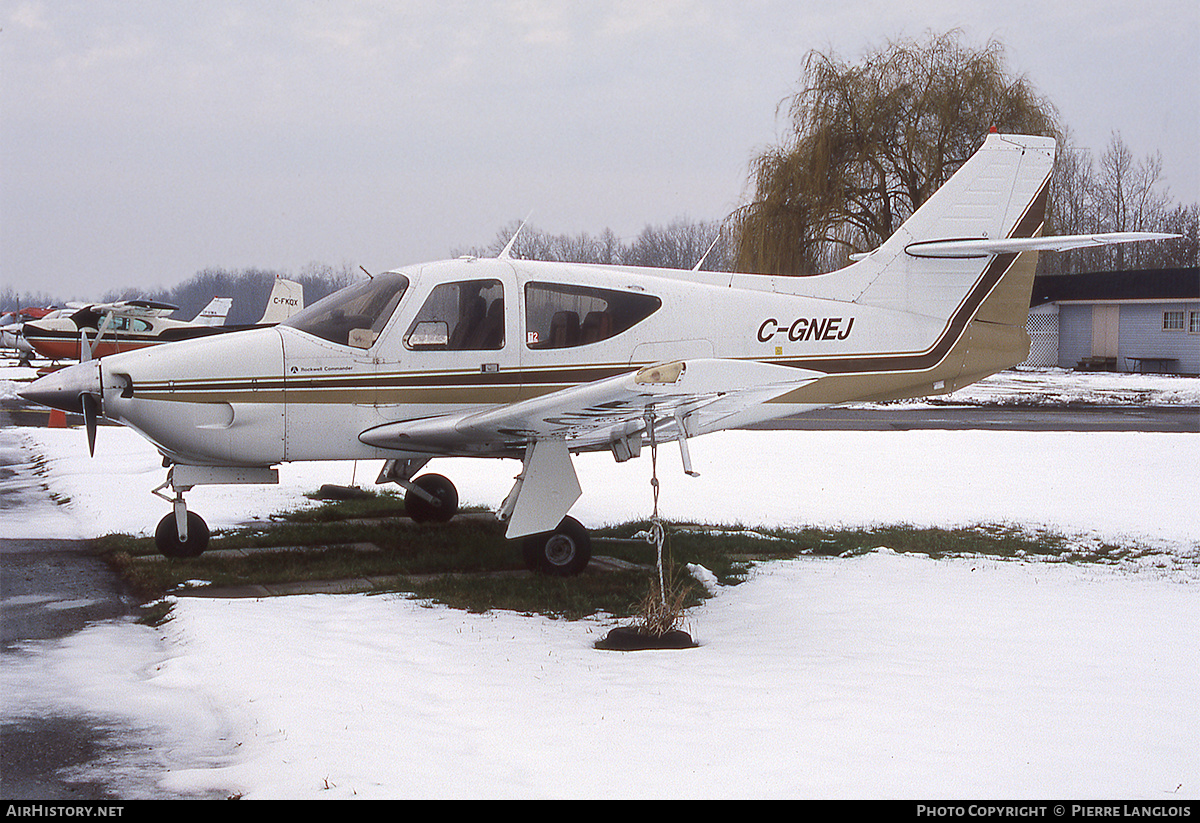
1147, 284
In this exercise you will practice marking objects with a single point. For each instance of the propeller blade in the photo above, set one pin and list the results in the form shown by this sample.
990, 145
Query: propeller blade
90, 413
85, 348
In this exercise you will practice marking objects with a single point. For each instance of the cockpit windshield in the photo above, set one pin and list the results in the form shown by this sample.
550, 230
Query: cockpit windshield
355, 315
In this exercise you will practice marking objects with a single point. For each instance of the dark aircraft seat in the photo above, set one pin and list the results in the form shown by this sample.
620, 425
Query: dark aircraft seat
468, 325
490, 333
564, 330
597, 325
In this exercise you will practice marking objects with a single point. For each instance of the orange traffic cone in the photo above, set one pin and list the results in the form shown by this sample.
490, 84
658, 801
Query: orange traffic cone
58, 419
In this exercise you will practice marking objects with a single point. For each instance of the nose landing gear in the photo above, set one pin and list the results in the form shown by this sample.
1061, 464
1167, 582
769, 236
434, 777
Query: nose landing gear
181, 534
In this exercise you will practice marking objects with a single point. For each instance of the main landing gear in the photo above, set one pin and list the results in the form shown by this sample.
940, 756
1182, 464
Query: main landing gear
563, 552
431, 498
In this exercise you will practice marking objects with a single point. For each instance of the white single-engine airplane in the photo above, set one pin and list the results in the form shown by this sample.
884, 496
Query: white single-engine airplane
533, 360
100, 329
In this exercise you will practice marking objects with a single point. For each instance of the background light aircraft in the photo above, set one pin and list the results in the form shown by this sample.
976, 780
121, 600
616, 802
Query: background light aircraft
536, 361
11, 325
101, 329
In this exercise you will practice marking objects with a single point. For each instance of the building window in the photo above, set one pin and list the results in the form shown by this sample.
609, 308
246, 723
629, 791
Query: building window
1194, 322
1173, 320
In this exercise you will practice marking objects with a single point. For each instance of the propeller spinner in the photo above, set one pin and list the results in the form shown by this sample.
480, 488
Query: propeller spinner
75, 389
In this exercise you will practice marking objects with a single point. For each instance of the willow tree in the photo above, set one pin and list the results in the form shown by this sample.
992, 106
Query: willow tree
870, 142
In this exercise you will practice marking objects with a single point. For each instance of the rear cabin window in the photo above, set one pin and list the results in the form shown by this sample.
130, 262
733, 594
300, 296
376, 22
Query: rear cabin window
122, 323
560, 317
353, 316
465, 316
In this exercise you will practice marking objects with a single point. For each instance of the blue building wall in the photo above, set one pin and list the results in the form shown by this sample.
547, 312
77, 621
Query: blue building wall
1141, 334
1074, 334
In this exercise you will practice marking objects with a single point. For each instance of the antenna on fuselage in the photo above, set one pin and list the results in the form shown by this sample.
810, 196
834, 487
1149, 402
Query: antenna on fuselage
704, 257
367, 273
505, 253
713, 244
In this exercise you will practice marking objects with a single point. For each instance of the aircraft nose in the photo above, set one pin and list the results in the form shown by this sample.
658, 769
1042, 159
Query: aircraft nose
63, 389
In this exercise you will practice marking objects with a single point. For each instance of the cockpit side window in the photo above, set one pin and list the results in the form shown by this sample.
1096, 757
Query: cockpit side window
353, 316
560, 316
464, 316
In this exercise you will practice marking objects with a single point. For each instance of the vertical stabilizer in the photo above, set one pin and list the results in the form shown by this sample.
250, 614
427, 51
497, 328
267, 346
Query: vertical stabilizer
286, 298
215, 312
998, 194
963, 262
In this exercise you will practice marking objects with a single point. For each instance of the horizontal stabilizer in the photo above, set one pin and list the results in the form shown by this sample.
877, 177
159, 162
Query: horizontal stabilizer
133, 308
982, 246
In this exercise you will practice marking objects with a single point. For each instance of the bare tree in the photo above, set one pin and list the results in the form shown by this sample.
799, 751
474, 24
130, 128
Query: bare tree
681, 244
870, 142
1116, 192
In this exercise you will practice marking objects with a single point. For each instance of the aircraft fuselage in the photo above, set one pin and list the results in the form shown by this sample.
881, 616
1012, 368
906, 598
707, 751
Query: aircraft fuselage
286, 394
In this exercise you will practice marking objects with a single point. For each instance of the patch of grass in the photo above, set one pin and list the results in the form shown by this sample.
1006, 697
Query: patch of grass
387, 503
469, 564
571, 598
155, 614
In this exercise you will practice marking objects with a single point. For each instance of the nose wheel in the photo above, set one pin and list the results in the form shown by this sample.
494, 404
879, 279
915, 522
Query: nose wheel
176, 545
181, 534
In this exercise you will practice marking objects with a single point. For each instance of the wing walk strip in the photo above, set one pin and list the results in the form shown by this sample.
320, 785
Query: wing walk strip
375, 388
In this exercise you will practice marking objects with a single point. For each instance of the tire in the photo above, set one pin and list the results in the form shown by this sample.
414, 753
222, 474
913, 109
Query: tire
564, 552
166, 537
422, 511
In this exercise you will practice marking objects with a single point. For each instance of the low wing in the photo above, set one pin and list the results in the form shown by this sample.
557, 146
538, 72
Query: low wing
675, 400
695, 393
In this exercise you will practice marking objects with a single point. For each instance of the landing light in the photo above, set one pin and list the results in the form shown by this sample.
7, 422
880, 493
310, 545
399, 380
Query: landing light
666, 373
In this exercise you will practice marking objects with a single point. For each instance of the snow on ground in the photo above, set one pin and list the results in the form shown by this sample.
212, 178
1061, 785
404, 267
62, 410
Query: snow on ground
882, 675
1060, 386
1140, 487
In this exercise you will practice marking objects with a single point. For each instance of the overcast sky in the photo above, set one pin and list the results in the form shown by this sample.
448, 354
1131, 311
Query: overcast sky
141, 142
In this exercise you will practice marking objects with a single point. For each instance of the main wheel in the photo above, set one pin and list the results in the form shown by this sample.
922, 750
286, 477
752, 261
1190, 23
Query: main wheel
422, 510
166, 537
563, 552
